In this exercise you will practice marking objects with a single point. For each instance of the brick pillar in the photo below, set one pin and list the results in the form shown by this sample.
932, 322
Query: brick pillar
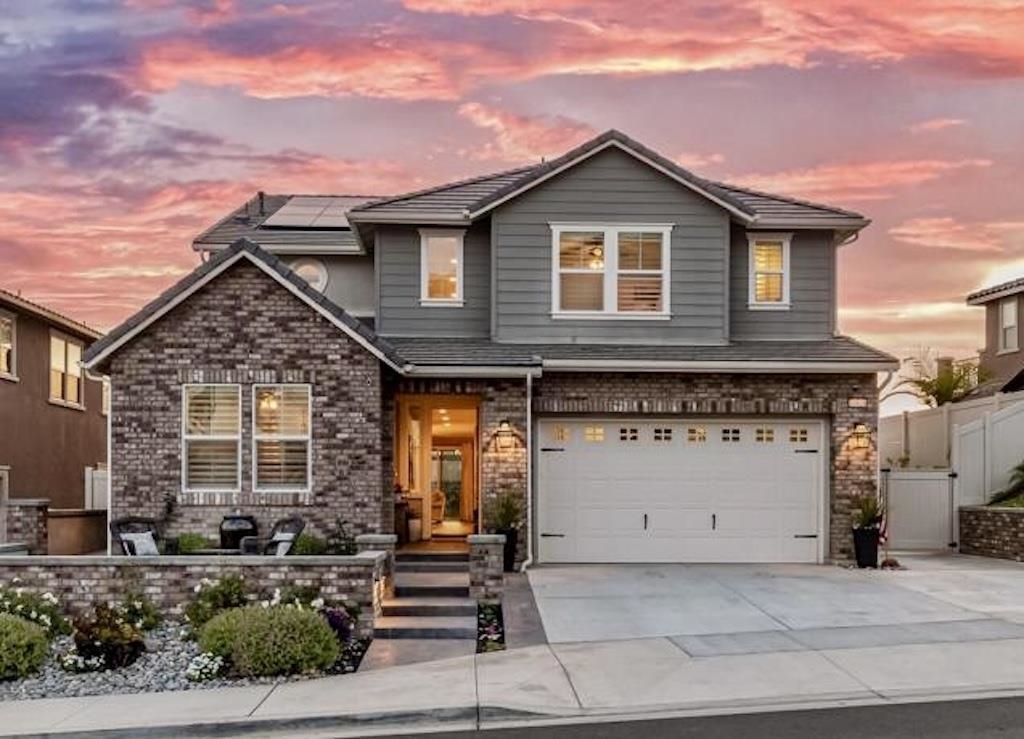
504, 452
486, 567
26, 523
381, 543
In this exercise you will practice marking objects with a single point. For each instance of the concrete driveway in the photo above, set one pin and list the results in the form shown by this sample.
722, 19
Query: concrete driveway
742, 609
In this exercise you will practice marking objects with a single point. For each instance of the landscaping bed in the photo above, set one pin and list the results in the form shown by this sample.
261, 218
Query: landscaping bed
490, 628
227, 637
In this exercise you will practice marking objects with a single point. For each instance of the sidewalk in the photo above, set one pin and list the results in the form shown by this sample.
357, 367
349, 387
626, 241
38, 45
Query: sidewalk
542, 683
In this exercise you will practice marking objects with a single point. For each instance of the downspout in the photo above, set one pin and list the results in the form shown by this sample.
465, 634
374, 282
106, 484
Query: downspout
529, 473
110, 417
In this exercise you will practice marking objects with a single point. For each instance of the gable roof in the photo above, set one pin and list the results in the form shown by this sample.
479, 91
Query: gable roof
216, 265
466, 200
246, 222
48, 315
1002, 290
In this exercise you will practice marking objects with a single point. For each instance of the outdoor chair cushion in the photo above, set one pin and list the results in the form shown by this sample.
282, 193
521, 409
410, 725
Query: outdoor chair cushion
142, 543
283, 541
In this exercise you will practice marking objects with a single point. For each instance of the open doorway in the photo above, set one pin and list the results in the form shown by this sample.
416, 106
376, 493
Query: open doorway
437, 466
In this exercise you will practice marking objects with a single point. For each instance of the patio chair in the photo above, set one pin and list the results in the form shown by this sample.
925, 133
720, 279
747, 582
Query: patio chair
280, 541
137, 535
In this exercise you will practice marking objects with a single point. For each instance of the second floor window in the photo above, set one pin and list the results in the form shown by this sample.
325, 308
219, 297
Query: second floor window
441, 267
65, 371
769, 270
610, 271
1008, 333
7, 346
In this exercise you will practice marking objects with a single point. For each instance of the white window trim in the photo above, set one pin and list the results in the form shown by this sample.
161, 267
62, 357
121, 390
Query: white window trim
425, 300
752, 239
308, 438
610, 273
185, 437
12, 376
1003, 347
61, 402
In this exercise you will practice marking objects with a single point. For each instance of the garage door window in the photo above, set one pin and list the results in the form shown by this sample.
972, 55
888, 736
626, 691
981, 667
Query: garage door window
560, 433
663, 434
628, 434
797, 435
696, 434
764, 435
593, 433
730, 435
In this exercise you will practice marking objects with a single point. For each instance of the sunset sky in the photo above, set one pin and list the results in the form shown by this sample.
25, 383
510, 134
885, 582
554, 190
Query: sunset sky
127, 127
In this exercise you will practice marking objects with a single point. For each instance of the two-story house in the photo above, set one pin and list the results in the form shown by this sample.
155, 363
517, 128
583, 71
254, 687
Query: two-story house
646, 359
1001, 360
52, 421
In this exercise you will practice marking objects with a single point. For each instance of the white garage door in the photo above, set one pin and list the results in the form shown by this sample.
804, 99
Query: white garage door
610, 490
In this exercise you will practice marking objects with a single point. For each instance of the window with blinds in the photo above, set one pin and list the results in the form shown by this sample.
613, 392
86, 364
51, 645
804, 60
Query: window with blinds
65, 371
769, 270
211, 437
281, 438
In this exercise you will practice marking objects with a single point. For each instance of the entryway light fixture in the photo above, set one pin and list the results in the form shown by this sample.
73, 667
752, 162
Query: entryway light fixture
505, 434
861, 436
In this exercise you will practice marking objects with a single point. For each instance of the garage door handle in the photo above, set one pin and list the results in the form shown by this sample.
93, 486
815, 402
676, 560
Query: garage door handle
553, 536
551, 449
805, 536
714, 521
805, 451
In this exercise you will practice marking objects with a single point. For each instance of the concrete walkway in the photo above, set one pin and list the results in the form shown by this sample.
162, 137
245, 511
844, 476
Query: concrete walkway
978, 652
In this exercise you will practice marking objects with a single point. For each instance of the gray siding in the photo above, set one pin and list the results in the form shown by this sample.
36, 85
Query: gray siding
811, 291
399, 312
350, 281
611, 187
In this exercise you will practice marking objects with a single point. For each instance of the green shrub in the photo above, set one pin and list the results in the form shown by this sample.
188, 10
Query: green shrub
308, 544
23, 647
191, 541
43, 610
340, 541
139, 611
213, 597
276, 640
106, 641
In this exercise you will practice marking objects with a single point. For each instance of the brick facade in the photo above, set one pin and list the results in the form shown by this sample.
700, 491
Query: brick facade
992, 532
486, 567
81, 582
852, 470
246, 328
27, 523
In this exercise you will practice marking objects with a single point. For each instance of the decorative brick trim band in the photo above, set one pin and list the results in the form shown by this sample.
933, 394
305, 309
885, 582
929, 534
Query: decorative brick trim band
676, 406
486, 567
246, 498
992, 532
170, 582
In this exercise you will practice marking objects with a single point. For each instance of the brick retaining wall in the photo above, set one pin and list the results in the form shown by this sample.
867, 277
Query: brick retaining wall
27, 524
170, 582
992, 532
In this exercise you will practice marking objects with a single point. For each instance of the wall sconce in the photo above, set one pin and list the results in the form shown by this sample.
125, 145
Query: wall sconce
504, 434
861, 436
857, 402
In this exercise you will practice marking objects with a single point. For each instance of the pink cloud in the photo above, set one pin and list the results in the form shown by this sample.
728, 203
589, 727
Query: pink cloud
693, 160
936, 124
948, 233
523, 138
858, 181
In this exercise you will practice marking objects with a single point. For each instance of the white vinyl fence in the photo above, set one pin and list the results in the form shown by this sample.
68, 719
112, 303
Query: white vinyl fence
96, 488
926, 437
920, 506
985, 451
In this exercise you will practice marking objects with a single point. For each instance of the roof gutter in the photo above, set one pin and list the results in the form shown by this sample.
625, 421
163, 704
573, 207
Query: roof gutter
738, 367
408, 216
981, 299
414, 370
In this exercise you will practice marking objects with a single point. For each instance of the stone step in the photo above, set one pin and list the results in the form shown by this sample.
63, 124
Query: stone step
432, 584
431, 566
419, 627
385, 653
430, 607
429, 556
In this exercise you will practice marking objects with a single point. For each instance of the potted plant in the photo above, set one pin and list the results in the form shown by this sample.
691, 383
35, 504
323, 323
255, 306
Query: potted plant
507, 517
867, 525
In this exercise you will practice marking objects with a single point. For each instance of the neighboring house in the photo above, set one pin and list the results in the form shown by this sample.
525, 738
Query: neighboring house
1001, 361
52, 420
646, 359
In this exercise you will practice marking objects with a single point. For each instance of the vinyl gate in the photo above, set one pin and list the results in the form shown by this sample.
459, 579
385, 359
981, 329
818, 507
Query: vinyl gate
920, 509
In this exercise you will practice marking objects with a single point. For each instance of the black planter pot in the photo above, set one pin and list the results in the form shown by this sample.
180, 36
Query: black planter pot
511, 538
865, 547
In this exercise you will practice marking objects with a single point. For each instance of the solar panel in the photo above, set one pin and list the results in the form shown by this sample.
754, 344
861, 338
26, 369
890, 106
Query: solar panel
305, 211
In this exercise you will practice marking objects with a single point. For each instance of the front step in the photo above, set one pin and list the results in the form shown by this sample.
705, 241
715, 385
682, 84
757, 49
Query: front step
432, 584
430, 566
430, 607
420, 627
428, 556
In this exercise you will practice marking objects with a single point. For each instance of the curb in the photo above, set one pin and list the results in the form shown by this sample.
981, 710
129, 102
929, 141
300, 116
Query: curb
244, 727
